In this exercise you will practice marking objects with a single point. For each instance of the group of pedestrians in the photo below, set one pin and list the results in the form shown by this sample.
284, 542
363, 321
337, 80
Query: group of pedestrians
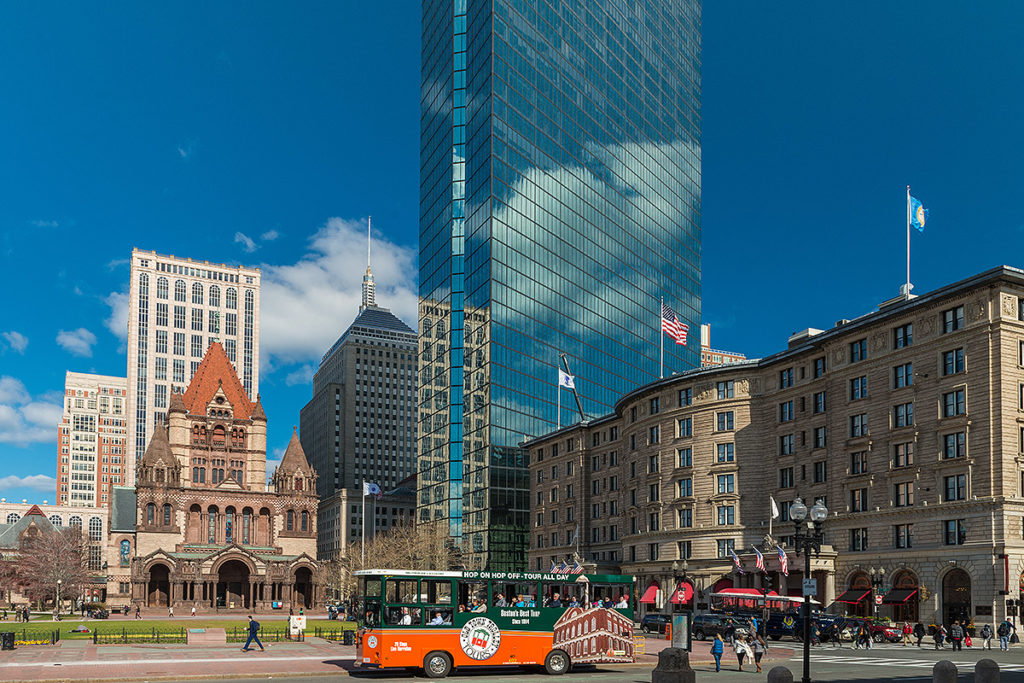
747, 643
21, 613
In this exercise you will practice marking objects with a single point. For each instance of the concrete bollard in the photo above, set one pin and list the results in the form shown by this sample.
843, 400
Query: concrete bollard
780, 674
986, 671
944, 671
673, 667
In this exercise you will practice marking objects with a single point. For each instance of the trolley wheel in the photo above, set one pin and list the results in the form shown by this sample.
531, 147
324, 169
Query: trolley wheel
437, 664
556, 663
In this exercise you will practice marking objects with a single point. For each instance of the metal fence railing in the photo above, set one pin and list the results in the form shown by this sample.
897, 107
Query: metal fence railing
237, 634
33, 637
346, 636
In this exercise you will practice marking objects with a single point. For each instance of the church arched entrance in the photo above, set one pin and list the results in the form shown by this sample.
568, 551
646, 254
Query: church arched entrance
956, 596
158, 587
233, 585
303, 588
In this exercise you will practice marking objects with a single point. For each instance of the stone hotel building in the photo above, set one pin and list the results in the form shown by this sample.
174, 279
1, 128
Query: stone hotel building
908, 422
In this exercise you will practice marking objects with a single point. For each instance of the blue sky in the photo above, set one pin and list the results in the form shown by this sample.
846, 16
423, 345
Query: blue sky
267, 137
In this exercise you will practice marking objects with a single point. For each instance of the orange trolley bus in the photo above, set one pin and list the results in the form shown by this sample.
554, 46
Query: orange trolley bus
439, 620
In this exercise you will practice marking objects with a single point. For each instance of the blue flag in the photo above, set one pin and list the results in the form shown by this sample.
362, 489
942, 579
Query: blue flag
918, 214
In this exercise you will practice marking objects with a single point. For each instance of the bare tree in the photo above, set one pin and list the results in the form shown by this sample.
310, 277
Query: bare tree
10, 578
51, 556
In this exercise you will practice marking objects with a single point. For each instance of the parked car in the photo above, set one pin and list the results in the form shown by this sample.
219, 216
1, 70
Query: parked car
709, 625
658, 623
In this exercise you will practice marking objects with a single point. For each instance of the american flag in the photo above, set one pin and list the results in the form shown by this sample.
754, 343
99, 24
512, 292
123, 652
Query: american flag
562, 568
759, 563
736, 561
671, 324
577, 568
783, 562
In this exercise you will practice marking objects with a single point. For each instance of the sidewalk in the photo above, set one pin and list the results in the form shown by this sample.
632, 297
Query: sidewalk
700, 653
81, 660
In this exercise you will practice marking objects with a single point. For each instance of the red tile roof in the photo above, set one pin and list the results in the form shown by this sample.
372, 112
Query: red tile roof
216, 371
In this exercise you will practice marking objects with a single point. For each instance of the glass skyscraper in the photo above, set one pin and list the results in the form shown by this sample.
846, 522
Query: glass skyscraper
559, 202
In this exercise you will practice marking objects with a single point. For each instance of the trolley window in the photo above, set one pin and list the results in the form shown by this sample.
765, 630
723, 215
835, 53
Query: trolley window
436, 592
401, 591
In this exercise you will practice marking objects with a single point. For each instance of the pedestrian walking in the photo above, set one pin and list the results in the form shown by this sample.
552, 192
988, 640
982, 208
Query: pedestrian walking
193, 610
940, 635
717, 648
730, 632
1004, 631
254, 629
986, 637
907, 632
919, 632
956, 635
742, 649
759, 647
170, 611
138, 612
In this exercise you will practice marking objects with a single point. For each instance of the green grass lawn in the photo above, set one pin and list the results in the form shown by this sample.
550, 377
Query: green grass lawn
35, 630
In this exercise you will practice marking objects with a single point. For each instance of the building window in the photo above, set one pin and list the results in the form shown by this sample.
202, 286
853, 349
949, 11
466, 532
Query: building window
954, 445
786, 478
903, 454
953, 403
726, 515
653, 435
632, 414
786, 411
859, 388
858, 500
684, 550
819, 402
685, 397
726, 483
724, 421
150, 514
820, 471
726, 389
858, 350
903, 336
653, 521
652, 551
819, 437
955, 487
859, 425
685, 487
786, 444
653, 493
953, 361
725, 547
903, 415
903, 495
952, 319
655, 405
819, 367
685, 518
902, 375
903, 535
685, 457
726, 452
652, 464
785, 378
859, 462
955, 531
858, 540
685, 426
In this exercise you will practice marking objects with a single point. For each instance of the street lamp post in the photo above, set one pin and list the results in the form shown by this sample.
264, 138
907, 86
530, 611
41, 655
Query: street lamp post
808, 540
678, 578
877, 581
59, 582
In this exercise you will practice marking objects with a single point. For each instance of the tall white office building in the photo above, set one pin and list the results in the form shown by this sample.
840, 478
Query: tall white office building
91, 439
176, 308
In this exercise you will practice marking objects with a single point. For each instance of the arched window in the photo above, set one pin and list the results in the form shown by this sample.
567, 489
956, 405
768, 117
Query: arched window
161, 288
197, 293
229, 523
215, 296
150, 513
13, 518
304, 523
212, 514
159, 474
126, 552
218, 435
231, 298
95, 529
55, 520
179, 290
75, 522
290, 523
167, 514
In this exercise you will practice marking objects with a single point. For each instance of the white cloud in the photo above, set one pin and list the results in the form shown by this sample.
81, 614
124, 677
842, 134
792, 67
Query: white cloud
44, 224
186, 149
269, 236
77, 342
272, 463
16, 340
117, 263
302, 375
306, 306
247, 242
117, 321
24, 420
36, 482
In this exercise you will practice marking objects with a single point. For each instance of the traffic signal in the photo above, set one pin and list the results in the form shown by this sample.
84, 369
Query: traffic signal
766, 582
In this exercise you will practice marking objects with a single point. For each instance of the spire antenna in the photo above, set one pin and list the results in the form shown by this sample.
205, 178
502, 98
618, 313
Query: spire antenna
369, 221
368, 287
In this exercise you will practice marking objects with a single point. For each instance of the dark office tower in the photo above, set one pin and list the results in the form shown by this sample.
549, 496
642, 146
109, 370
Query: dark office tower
560, 201
361, 423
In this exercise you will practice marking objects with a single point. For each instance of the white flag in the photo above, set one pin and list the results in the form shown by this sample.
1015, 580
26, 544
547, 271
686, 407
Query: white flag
371, 489
565, 380
775, 508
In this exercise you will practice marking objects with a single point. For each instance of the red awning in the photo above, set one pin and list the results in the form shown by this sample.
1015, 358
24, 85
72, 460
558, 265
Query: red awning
722, 585
683, 595
742, 592
898, 596
854, 595
650, 595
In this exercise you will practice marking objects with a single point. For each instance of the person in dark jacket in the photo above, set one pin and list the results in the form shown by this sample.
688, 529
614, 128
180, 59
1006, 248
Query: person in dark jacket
956, 635
254, 629
919, 632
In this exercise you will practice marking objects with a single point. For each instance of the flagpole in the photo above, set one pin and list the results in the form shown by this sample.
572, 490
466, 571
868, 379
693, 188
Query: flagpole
661, 338
558, 391
908, 242
363, 565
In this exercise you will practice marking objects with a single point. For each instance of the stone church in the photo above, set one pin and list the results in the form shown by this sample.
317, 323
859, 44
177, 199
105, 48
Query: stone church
202, 527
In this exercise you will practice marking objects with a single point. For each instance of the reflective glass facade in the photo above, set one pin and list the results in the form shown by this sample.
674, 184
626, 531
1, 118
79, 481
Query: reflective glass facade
560, 200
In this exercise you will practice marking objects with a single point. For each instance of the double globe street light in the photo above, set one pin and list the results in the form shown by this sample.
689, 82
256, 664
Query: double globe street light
807, 539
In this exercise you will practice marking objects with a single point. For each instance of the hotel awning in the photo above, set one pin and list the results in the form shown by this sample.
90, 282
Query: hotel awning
898, 596
650, 595
854, 595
